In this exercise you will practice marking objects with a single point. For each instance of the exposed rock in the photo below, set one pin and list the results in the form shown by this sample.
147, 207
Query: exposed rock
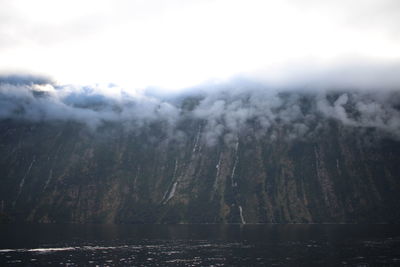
64, 172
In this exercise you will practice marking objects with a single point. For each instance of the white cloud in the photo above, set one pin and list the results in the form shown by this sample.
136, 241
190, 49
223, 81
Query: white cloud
224, 112
180, 43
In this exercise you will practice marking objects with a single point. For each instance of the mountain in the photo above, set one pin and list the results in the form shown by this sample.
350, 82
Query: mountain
231, 158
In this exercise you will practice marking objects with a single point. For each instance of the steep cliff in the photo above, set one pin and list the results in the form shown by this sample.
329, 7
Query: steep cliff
65, 172
237, 153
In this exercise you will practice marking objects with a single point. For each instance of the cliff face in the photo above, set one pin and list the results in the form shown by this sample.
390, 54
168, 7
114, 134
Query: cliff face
64, 172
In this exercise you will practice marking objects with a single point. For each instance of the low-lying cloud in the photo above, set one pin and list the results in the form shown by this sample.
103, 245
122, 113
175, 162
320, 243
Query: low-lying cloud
223, 110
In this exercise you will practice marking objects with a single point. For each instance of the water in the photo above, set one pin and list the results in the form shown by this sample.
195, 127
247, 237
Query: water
199, 245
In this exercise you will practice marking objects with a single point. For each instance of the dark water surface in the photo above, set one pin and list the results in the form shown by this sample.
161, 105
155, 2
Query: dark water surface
200, 245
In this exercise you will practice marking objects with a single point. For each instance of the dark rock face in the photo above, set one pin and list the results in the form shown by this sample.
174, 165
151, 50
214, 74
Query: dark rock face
63, 172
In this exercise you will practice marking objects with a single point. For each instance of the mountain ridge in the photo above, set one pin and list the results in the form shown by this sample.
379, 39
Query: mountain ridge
65, 172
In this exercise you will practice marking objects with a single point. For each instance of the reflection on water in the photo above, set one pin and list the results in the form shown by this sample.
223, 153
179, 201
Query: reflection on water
200, 245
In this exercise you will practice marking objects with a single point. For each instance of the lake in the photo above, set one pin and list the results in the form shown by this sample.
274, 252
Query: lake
200, 245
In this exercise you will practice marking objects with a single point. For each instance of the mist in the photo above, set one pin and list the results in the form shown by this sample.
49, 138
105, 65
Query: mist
224, 109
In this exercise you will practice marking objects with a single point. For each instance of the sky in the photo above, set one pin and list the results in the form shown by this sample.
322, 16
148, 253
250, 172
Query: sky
131, 61
178, 44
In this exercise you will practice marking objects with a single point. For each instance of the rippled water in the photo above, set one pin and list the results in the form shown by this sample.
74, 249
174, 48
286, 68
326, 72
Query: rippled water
200, 245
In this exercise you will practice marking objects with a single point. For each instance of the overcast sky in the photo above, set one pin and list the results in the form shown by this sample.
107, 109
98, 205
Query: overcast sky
179, 43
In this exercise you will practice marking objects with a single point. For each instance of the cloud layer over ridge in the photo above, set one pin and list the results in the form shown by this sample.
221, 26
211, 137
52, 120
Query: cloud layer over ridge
224, 109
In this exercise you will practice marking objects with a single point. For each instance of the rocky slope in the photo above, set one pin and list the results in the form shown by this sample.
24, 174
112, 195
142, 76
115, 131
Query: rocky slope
66, 172
236, 153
